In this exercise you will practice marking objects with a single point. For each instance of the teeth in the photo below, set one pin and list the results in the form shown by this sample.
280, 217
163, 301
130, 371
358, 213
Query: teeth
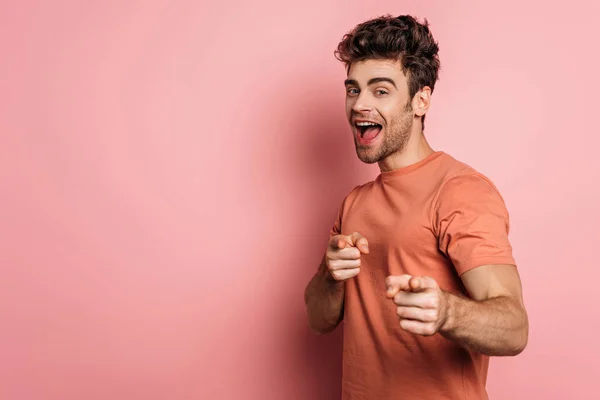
365, 124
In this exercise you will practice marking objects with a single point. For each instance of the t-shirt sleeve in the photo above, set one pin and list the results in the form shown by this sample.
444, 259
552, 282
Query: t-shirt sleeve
336, 228
472, 223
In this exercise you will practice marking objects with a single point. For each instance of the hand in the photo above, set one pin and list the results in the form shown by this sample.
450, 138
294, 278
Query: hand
343, 255
421, 305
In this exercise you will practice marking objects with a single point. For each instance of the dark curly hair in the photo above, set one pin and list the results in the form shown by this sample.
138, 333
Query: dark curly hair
400, 38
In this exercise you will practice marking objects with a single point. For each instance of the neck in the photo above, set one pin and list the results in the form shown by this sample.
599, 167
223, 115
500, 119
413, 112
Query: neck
417, 148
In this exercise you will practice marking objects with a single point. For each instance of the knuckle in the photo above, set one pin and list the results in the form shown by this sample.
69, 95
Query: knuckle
433, 302
434, 315
431, 329
401, 298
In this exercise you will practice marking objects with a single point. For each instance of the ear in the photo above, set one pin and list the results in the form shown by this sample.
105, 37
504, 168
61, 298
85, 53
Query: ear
421, 101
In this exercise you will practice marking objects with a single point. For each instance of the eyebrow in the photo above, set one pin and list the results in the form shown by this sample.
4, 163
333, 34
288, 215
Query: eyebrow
371, 81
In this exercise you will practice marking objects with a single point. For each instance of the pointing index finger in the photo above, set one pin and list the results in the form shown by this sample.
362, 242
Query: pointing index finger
394, 284
338, 242
360, 242
422, 283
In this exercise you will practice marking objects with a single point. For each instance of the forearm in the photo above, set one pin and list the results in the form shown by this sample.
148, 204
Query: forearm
495, 327
324, 299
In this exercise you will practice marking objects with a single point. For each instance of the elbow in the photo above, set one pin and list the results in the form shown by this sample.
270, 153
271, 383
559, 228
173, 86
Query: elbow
319, 324
522, 344
524, 336
320, 328
510, 348
320, 331
518, 348
520, 341
513, 341
520, 337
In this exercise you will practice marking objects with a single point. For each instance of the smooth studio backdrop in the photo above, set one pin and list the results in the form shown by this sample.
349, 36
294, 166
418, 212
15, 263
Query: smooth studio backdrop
169, 172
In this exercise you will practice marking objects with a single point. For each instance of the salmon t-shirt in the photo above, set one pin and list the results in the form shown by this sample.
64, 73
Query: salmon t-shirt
437, 218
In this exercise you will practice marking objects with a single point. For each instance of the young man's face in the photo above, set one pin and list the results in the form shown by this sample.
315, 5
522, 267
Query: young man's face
378, 108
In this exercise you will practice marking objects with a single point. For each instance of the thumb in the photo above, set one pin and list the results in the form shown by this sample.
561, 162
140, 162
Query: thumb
359, 241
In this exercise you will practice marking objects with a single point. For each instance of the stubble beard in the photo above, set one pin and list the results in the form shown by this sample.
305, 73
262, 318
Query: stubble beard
396, 136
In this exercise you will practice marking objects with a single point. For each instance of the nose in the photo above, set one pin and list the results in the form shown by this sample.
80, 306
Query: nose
362, 104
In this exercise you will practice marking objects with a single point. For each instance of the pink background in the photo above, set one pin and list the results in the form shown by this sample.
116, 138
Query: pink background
170, 170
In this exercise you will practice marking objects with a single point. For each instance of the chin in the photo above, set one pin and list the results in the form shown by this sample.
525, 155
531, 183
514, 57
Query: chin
367, 157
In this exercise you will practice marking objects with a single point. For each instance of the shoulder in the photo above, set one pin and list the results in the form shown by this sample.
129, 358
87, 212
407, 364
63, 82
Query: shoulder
460, 180
358, 192
466, 192
346, 204
468, 185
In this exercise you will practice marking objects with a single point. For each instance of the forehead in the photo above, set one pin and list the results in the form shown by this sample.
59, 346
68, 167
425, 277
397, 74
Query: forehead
362, 71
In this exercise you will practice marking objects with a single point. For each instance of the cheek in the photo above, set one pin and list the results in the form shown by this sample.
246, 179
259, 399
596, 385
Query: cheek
349, 105
387, 113
391, 111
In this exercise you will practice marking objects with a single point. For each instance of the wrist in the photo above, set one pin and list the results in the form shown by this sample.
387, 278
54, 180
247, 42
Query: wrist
450, 307
332, 282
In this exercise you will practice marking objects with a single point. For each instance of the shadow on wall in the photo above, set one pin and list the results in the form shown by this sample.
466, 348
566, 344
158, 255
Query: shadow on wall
326, 181
323, 165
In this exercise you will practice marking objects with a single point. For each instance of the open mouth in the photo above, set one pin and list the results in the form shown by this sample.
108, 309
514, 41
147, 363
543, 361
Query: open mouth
368, 130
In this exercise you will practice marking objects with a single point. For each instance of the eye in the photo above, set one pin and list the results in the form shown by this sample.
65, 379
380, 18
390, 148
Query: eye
381, 92
352, 91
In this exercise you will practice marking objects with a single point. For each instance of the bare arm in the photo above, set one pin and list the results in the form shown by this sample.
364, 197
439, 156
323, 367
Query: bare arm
324, 295
494, 322
324, 299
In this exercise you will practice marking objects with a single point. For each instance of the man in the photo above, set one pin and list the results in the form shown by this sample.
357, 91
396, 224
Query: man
418, 266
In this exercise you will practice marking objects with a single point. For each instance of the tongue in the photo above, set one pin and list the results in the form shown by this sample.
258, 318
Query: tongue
371, 132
